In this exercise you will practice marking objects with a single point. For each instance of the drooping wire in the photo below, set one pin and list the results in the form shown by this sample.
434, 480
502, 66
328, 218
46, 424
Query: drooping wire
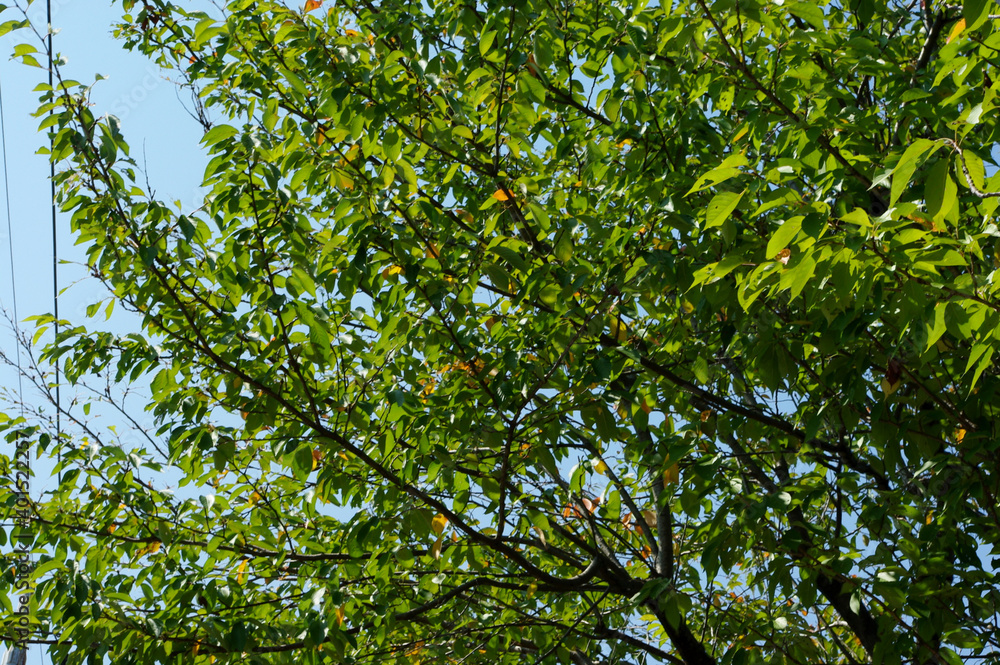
14, 654
10, 247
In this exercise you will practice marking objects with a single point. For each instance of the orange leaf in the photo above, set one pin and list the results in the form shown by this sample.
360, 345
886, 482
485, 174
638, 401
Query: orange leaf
351, 33
570, 511
956, 31
533, 68
501, 195
782, 256
312, 4
671, 475
339, 615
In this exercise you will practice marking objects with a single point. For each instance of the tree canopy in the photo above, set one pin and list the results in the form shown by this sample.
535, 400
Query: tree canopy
549, 331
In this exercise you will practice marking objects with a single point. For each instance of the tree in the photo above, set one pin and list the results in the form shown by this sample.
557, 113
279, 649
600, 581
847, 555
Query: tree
577, 332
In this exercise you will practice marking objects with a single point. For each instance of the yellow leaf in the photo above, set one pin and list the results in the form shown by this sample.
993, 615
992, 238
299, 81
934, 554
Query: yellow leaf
312, 4
601, 467
338, 615
618, 329
439, 523
436, 548
959, 435
351, 33
889, 388
392, 270
671, 474
929, 518
956, 31
155, 546
241, 572
740, 134
500, 195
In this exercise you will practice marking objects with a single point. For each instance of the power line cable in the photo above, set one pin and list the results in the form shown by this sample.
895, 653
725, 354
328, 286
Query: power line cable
10, 247
55, 240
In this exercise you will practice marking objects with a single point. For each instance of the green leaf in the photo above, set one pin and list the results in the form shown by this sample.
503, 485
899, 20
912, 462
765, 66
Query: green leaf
302, 462
564, 247
940, 191
975, 12
936, 328
809, 12
907, 165
797, 277
783, 237
721, 207
729, 168
486, 42
218, 133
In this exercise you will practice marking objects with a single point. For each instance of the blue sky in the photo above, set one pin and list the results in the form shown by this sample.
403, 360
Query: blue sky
163, 138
